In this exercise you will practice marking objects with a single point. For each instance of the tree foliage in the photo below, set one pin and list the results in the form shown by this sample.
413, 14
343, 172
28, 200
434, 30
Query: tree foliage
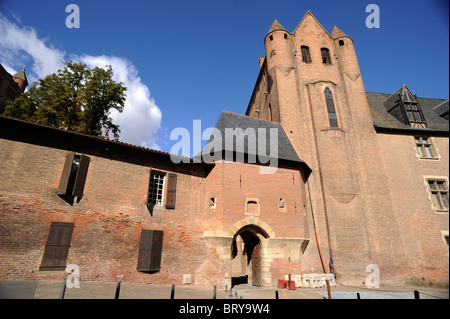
75, 98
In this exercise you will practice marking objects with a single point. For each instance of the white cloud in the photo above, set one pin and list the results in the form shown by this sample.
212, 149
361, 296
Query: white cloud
141, 118
20, 44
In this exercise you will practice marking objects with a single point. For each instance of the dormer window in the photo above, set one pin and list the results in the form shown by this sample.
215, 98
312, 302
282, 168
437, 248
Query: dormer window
405, 107
413, 112
412, 109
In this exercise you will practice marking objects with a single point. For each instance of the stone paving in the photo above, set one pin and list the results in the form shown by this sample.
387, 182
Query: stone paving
16, 289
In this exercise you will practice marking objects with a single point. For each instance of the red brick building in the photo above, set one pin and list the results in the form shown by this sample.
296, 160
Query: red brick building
11, 86
361, 178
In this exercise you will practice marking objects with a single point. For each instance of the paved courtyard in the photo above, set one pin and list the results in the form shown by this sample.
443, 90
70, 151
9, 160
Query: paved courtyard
21, 289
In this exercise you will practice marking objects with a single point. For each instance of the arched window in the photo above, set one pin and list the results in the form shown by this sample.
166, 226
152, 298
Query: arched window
326, 59
306, 57
270, 112
330, 108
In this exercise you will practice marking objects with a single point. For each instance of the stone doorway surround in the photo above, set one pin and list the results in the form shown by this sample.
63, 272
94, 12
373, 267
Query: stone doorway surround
271, 246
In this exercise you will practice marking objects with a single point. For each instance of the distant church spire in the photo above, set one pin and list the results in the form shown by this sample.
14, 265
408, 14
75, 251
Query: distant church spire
21, 79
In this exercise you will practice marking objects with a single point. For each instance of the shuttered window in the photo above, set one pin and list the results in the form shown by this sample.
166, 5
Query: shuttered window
171, 191
73, 177
155, 189
150, 250
57, 247
162, 190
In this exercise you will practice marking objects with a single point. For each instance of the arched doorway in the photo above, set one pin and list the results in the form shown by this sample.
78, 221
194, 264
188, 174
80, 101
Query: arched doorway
246, 256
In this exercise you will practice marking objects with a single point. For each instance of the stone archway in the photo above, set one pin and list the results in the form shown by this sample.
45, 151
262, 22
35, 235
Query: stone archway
247, 256
224, 242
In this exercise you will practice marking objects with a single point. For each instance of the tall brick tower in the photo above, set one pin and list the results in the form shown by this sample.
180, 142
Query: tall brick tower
310, 82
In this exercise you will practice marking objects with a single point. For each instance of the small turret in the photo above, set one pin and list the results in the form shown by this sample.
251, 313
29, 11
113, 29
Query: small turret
278, 48
346, 53
21, 79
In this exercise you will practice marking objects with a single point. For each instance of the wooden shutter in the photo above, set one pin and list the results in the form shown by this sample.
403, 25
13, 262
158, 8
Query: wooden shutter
64, 181
57, 247
80, 179
150, 250
171, 190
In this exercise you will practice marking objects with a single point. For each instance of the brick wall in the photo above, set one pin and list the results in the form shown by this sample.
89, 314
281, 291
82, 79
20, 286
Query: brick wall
108, 219
110, 215
420, 224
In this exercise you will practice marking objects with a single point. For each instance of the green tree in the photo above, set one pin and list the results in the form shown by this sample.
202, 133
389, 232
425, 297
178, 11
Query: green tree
75, 98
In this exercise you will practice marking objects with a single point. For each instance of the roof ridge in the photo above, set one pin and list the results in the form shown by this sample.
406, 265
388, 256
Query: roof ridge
309, 13
441, 103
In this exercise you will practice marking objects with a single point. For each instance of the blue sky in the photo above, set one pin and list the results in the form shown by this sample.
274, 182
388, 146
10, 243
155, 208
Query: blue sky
189, 60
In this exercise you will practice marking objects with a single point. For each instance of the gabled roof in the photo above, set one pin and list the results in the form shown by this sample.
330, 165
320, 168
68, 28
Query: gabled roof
232, 121
403, 93
309, 14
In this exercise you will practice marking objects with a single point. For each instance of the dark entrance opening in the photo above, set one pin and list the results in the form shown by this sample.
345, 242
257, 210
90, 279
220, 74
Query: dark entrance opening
246, 255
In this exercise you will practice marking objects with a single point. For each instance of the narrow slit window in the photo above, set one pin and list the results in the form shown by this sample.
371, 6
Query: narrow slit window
330, 108
281, 203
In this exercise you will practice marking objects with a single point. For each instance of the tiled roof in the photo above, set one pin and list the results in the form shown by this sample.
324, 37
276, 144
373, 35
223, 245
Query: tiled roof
229, 120
97, 138
383, 119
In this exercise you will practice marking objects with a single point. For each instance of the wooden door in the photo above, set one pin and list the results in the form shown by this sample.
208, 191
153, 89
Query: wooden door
257, 266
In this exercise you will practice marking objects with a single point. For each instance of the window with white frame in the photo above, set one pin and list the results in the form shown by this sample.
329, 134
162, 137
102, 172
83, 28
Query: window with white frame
425, 147
156, 188
439, 193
